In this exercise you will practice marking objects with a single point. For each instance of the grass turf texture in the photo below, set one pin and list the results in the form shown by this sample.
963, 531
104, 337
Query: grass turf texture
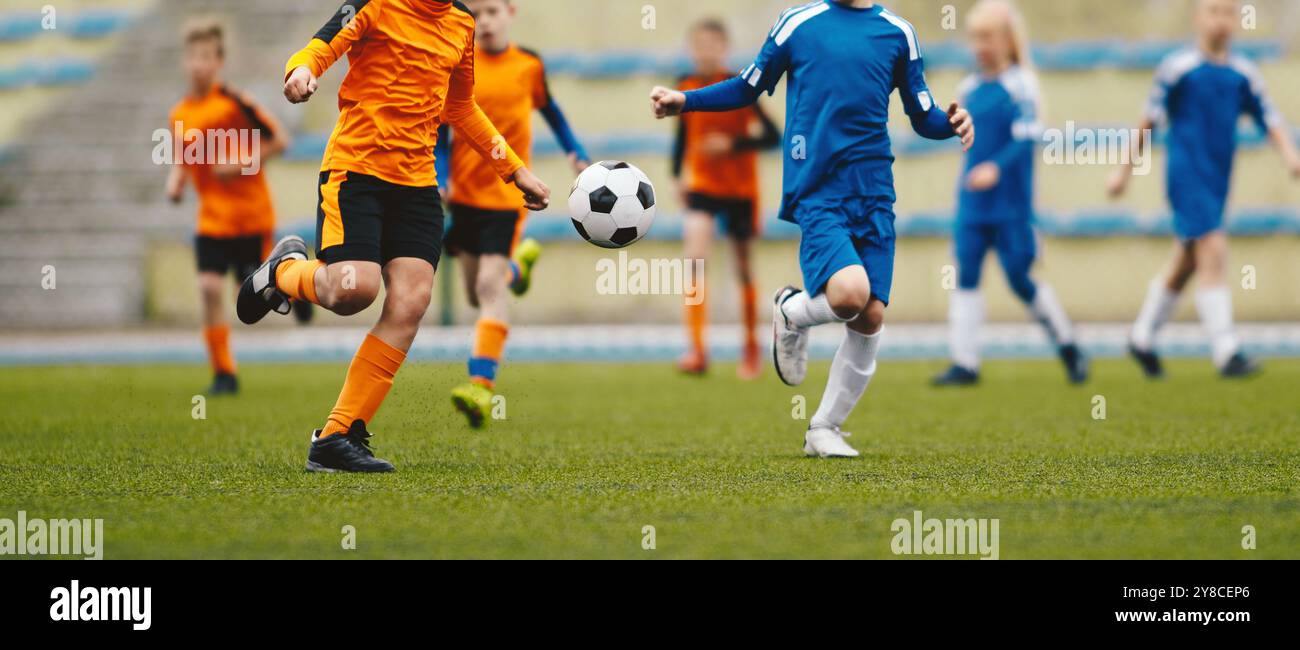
590, 454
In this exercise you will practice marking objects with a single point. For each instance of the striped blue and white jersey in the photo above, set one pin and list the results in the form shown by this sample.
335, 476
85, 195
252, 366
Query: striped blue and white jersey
842, 64
1005, 109
1200, 102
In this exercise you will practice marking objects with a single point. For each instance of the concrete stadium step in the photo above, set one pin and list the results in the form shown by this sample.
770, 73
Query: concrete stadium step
81, 220
26, 246
76, 306
69, 272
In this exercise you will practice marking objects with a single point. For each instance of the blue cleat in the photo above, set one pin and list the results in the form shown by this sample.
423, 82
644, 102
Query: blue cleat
1076, 363
1148, 360
957, 376
1239, 367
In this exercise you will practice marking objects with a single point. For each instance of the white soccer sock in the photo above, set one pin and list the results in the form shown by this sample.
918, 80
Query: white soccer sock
965, 317
851, 372
1157, 309
1047, 309
1215, 308
802, 310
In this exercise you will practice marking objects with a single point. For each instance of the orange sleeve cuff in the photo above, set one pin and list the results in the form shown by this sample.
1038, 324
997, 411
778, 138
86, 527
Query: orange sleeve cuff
317, 56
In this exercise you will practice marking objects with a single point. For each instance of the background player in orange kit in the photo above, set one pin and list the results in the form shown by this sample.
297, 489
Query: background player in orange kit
380, 216
236, 217
487, 214
718, 154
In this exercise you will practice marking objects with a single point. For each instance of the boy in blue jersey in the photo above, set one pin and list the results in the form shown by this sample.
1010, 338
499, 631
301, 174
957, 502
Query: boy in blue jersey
995, 203
844, 59
1199, 94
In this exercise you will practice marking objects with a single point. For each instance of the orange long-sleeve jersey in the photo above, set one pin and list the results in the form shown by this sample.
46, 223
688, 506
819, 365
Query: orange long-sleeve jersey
411, 67
512, 84
729, 175
231, 205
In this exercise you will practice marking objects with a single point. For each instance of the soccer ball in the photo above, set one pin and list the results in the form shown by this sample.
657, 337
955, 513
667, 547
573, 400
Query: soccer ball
612, 204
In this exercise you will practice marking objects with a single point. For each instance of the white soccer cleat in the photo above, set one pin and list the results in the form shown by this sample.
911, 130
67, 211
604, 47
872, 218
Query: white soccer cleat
789, 343
827, 442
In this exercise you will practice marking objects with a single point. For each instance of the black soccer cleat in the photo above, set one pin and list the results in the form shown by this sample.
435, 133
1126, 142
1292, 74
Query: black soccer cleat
345, 452
1148, 360
1239, 366
223, 383
956, 376
259, 295
1076, 363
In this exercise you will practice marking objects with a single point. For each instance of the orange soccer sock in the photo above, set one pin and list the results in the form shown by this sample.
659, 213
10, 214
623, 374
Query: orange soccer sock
749, 297
489, 346
697, 318
218, 338
297, 279
369, 378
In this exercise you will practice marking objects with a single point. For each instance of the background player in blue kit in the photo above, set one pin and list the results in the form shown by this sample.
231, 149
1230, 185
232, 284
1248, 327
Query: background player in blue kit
1199, 95
844, 58
995, 203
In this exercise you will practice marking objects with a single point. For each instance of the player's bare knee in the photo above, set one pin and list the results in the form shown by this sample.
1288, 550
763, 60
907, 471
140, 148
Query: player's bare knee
849, 298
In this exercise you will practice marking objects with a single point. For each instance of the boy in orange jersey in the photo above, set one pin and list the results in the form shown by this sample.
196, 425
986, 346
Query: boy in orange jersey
380, 217
487, 216
236, 217
719, 154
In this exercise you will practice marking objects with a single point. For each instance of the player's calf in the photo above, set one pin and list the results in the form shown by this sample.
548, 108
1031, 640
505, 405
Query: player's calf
400, 320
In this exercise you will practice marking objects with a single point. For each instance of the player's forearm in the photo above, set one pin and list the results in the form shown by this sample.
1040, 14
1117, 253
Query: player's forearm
1139, 148
721, 97
318, 56
175, 182
1282, 139
932, 124
482, 136
559, 124
1011, 152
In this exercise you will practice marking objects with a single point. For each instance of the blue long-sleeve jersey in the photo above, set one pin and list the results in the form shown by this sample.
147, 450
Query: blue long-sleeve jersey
1006, 109
842, 63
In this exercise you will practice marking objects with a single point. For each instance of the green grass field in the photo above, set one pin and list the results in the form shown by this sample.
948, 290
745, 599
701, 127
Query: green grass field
589, 454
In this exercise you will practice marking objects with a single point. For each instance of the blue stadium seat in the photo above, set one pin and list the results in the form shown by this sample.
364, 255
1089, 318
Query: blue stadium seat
19, 26
98, 23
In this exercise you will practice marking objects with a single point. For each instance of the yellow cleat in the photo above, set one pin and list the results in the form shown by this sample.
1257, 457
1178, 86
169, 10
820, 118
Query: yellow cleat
526, 255
474, 401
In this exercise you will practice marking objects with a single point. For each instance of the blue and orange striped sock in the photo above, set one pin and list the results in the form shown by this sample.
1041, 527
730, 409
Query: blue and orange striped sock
489, 344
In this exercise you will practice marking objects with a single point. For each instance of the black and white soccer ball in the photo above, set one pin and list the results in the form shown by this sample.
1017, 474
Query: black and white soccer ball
612, 204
